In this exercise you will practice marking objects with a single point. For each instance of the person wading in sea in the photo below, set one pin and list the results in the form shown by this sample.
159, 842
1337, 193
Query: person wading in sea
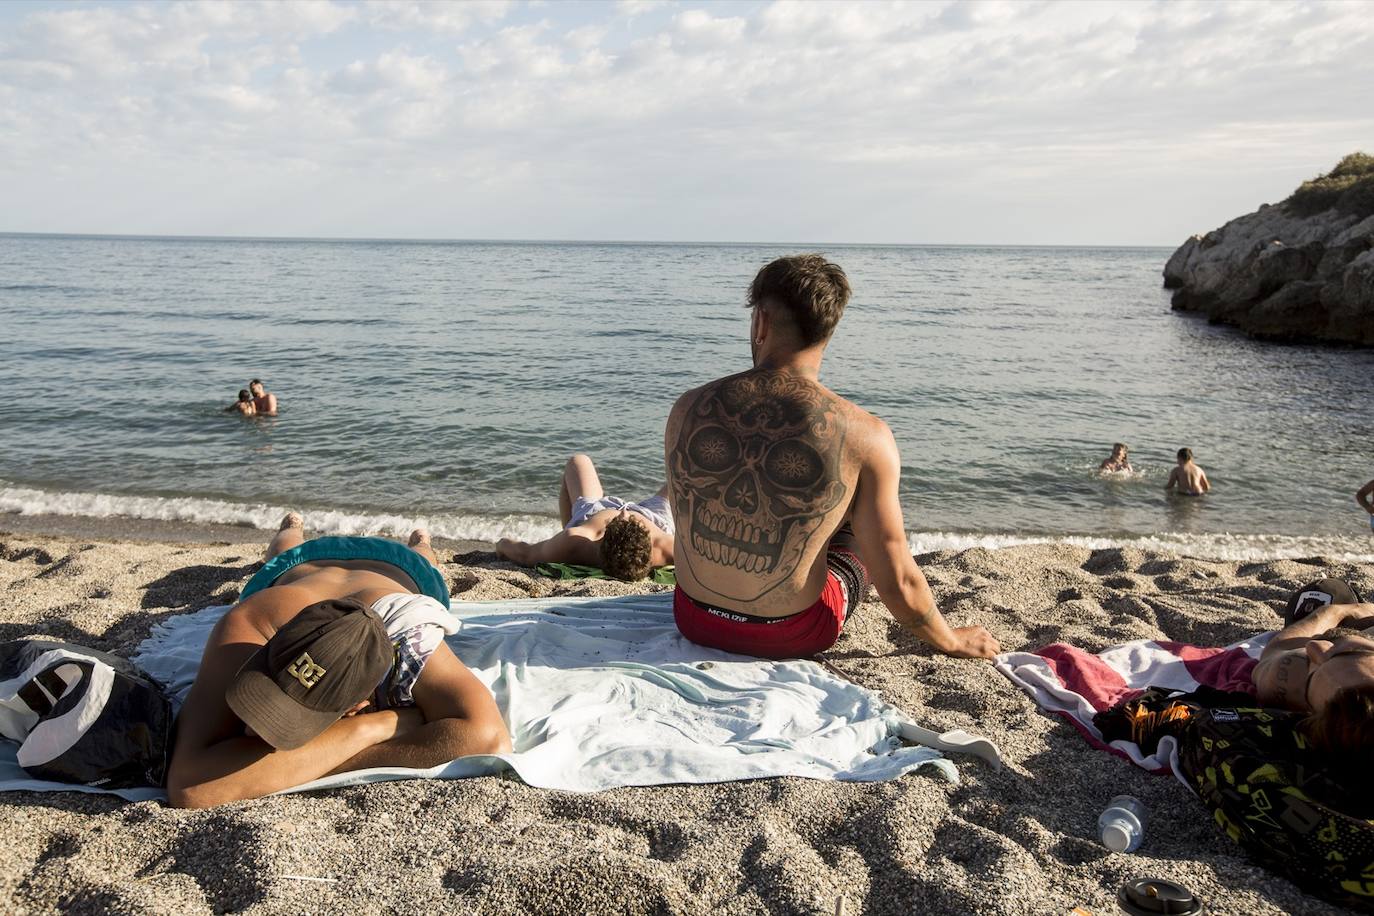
1190, 479
785, 495
263, 400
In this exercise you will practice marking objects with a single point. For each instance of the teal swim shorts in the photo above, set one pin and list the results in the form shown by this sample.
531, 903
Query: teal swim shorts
429, 580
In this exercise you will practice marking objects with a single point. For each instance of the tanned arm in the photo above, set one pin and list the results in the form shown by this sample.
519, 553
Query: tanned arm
880, 536
455, 716
563, 547
1296, 635
1173, 479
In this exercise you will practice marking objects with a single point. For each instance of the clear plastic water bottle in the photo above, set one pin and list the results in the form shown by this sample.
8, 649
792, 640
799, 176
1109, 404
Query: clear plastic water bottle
1122, 826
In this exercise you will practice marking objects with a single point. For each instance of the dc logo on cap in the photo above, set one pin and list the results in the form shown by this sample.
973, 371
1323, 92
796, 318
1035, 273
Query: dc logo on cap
306, 671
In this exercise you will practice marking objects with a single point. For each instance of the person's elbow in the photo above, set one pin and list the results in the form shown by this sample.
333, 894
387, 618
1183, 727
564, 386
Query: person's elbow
467, 737
186, 793
489, 738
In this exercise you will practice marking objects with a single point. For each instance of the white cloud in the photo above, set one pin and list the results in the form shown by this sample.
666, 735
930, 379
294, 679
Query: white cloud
700, 27
903, 121
639, 7
447, 18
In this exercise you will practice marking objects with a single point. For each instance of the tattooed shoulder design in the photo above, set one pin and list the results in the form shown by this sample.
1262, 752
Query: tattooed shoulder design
756, 469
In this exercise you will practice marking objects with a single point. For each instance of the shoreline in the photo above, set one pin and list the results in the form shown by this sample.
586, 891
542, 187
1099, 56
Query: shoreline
1356, 546
1017, 840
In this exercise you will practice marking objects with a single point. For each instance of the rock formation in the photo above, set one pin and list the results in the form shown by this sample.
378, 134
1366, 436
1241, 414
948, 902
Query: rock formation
1299, 270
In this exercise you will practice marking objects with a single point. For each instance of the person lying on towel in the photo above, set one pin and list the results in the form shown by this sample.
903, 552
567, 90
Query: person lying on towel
332, 660
786, 494
1322, 662
625, 539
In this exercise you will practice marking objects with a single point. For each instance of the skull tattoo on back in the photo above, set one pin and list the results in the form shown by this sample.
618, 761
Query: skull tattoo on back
757, 467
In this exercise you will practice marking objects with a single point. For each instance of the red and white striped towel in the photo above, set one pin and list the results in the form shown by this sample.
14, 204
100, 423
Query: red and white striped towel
1077, 684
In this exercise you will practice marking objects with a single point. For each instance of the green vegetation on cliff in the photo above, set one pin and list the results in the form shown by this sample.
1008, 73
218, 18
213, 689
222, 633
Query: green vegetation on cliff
1348, 188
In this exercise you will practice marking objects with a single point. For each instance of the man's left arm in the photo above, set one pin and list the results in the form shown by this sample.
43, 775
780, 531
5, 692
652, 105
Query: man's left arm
455, 716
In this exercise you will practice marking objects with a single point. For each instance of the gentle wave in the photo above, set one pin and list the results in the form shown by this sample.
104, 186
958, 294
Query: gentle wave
478, 527
1225, 547
194, 510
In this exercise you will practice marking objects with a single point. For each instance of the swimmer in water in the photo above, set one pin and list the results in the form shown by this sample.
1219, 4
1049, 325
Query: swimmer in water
1365, 497
1117, 462
1190, 479
244, 406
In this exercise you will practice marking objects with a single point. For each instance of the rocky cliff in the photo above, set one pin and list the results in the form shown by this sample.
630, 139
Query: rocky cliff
1299, 270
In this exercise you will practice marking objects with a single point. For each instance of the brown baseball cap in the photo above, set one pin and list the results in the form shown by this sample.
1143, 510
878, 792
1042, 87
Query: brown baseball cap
319, 665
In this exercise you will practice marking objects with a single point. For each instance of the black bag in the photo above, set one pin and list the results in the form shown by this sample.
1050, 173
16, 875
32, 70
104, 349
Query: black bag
82, 716
1294, 809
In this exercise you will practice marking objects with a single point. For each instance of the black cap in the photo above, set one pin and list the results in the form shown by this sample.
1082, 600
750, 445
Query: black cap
1318, 595
1155, 896
318, 666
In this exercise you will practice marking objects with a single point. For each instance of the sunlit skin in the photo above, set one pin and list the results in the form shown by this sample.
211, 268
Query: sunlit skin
864, 487
1304, 666
264, 401
1117, 462
1190, 479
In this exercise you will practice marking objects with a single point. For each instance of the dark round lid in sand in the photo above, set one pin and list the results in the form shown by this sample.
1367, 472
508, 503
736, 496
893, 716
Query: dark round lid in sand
1155, 896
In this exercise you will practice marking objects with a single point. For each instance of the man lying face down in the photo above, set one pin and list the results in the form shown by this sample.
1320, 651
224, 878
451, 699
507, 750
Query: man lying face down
333, 660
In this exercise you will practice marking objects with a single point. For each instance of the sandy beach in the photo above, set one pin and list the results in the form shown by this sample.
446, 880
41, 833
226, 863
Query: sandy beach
1017, 841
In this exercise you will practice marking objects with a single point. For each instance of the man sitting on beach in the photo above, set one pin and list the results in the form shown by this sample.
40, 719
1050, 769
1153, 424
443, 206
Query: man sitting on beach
263, 400
1117, 462
1190, 479
767, 470
244, 406
332, 660
625, 539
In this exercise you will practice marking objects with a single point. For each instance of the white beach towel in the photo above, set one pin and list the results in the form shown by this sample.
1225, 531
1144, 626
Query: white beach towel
600, 693
1077, 684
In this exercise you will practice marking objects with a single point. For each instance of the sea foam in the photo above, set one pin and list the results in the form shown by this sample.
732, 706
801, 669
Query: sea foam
462, 526
194, 510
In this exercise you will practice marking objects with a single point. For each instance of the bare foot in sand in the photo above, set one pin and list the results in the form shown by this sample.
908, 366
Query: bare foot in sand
419, 542
290, 533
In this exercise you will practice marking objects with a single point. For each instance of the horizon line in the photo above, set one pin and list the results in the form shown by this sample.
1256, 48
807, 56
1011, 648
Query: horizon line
420, 240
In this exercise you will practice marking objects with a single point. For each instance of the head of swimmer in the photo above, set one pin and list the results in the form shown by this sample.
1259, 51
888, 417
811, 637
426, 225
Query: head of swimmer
256, 387
626, 547
1119, 451
797, 301
1185, 455
245, 395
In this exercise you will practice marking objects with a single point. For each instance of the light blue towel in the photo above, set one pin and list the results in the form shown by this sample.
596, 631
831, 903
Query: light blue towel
600, 693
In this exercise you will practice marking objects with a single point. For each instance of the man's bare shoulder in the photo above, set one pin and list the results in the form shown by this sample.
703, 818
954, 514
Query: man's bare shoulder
864, 432
261, 614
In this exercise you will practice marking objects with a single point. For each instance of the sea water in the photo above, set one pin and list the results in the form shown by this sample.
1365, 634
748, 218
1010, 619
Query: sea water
447, 382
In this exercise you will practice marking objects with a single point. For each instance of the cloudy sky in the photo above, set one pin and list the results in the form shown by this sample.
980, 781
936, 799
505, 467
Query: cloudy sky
1040, 123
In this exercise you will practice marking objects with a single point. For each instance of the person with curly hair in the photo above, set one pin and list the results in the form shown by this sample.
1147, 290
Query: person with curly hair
626, 539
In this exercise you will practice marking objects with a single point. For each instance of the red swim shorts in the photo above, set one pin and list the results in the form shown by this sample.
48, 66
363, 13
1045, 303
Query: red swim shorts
795, 636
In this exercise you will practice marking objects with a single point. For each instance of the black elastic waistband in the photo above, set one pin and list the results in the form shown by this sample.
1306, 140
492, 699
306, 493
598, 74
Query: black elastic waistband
735, 616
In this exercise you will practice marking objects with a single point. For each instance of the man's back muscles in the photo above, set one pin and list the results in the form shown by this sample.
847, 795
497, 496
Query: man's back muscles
759, 482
